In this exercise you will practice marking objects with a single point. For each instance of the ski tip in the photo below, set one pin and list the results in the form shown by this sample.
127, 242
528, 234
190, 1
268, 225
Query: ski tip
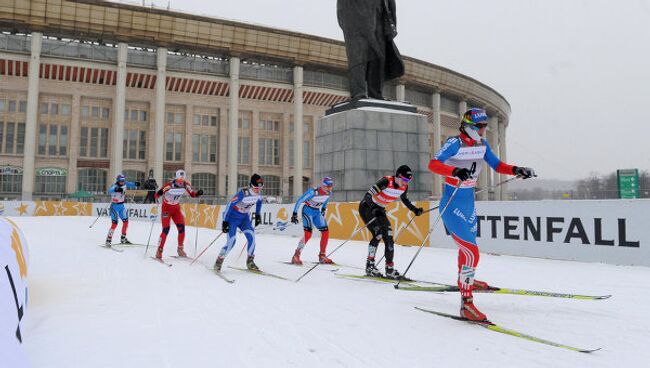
587, 351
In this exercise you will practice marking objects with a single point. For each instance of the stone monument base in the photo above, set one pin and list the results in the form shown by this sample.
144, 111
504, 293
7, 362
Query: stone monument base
370, 102
357, 147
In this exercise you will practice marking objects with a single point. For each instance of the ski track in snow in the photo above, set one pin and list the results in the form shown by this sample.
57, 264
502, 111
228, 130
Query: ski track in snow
89, 307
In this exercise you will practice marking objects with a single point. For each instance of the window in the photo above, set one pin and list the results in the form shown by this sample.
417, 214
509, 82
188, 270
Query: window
269, 151
11, 181
173, 146
205, 181
85, 112
243, 151
134, 175
205, 120
22, 106
94, 131
270, 122
92, 180
174, 133
204, 148
168, 176
65, 110
44, 108
134, 144
243, 181
3, 103
244, 121
95, 144
50, 184
306, 154
54, 109
271, 185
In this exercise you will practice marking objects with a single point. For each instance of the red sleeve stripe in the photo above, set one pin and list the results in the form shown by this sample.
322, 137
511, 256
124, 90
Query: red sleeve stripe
440, 168
504, 168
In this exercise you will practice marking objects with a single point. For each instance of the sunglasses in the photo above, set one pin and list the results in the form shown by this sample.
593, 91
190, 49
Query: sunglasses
405, 179
478, 126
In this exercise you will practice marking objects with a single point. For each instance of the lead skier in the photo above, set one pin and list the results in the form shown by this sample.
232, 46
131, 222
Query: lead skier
313, 214
117, 209
461, 159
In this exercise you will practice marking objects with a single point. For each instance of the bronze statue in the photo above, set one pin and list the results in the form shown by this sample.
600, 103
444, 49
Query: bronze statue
369, 27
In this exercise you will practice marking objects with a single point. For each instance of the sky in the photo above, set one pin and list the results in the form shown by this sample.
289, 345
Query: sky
574, 71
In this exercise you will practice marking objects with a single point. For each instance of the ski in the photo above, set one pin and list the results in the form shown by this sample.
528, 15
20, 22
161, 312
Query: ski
221, 275
258, 272
182, 258
373, 278
119, 250
161, 261
295, 265
496, 290
496, 328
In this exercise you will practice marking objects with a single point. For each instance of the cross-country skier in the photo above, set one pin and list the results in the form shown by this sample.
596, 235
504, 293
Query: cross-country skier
117, 209
387, 190
461, 159
171, 210
313, 214
237, 215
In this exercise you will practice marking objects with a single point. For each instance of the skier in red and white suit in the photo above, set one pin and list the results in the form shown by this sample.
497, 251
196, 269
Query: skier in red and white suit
171, 210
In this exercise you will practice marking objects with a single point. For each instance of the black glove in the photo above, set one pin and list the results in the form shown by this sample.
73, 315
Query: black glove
322, 212
119, 189
199, 192
294, 218
137, 184
461, 173
418, 211
523, 172
378, 212
258, 219
225, 226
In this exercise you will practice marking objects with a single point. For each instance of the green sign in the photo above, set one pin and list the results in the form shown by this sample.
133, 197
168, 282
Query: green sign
51, 171
628, 183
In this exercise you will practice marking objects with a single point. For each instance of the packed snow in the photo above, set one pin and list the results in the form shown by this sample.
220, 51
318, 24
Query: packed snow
92, 307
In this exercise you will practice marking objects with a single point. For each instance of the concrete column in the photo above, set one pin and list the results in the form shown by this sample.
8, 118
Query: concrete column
255, 139
157, 159
503, 156
119, 103
400, 92
32, 114
73, 143
232, 125
297, 130
286, 139
435, 146
222, 153
189, 131
462, 107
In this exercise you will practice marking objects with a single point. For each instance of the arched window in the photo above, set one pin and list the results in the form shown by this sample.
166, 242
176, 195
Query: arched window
205, 181
11, 179
271, 185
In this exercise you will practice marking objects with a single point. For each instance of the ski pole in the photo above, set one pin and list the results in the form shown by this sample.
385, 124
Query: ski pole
436, 207
206, 248
97, 218
153, 221
429, 233
196, 239
337, 248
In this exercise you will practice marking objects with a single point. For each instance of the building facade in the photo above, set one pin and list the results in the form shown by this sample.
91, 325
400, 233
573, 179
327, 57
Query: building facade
89, 89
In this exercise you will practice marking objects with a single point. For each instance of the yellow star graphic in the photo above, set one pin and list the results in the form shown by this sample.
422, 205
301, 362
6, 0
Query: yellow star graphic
22, 209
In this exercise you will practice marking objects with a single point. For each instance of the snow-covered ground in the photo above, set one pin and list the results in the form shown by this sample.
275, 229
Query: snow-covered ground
91, 307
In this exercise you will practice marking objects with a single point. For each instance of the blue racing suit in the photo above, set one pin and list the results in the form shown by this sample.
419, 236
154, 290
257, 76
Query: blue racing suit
237, 215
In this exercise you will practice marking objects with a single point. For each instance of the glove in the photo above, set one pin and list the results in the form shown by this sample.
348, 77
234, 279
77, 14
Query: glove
461, 173
378, 212
225, 226
258, 219
418, 211
137, 184
199, 192
119, 190
294, 218
523, 172
322, 212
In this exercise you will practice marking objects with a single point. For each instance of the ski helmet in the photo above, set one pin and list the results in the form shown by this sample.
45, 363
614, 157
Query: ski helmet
120, 178
256, 181
180, 175
404, 172
327, 182
473, 120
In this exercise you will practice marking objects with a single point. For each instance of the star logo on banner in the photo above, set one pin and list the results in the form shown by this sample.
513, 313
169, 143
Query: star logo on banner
210, 219
41, 209
194, 215
59, 209
22, 209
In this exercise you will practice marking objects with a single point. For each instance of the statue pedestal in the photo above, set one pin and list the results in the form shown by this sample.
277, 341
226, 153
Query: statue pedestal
370, 102
357, 147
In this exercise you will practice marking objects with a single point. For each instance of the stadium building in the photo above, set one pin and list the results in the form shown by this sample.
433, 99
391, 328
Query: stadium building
90, 88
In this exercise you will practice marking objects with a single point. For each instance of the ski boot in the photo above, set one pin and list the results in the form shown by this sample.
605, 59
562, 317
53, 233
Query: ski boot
181, 252
109, 241
322, 258
371, 270
250, 264
218, 263
124, 240
392, 273
296, 258
469, 311
481, 285
159, 253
